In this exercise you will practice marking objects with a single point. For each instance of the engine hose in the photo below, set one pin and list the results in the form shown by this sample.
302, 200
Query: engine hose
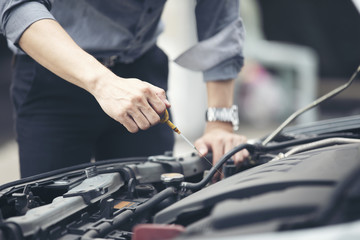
126, 215
197, 186
294, 142
317, 144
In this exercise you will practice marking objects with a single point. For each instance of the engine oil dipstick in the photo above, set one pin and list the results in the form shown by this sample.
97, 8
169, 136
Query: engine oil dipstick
165, 119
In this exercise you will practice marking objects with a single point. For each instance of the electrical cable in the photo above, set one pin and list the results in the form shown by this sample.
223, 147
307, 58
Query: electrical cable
310, 106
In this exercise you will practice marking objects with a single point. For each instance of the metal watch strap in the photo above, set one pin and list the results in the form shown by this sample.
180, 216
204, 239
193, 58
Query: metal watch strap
224, 115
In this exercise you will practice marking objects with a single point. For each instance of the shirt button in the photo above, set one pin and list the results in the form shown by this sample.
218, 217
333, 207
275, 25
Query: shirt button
149, 10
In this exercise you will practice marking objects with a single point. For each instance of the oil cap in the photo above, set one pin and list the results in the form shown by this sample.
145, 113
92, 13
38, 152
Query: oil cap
172, 179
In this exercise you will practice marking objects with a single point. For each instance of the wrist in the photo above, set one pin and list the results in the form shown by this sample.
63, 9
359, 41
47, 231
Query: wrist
96, 78
223, 115
226, 126
220, 93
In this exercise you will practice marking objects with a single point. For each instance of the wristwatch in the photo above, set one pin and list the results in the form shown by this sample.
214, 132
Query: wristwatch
224, 115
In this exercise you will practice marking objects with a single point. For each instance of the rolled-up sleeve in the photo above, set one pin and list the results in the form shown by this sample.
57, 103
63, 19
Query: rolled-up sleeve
17, 15
219, 52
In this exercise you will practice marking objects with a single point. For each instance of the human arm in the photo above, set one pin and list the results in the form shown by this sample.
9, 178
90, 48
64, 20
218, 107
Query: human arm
219, 137
29, 25
219, 55
132, 102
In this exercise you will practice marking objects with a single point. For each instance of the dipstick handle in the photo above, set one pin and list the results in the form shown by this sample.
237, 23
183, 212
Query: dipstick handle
165, 119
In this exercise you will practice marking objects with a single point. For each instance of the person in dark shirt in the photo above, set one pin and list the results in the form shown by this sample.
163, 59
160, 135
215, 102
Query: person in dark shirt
114, 73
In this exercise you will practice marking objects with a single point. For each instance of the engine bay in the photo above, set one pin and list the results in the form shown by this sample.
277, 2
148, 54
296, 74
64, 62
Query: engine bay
306, 177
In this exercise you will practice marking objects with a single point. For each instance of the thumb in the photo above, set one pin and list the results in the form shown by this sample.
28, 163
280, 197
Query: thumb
201, 147
162, 95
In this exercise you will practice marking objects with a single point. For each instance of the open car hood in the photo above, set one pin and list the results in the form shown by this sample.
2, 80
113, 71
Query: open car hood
304, 182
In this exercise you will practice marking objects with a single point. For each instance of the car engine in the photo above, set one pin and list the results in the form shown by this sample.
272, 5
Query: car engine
307, 177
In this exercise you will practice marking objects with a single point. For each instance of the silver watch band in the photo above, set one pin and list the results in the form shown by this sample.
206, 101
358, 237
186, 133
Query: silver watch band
224, 115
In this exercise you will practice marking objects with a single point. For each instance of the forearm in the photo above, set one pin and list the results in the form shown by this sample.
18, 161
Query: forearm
220, 95
132, 102
48, 43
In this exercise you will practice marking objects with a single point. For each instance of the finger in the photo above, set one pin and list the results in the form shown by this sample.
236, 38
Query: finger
162, 95
245, 153
140, 120
201, 147
229, 144
129, 124
241, 155
217, 176
237, 157
156, 100
217, 148
141, 111
152, 117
